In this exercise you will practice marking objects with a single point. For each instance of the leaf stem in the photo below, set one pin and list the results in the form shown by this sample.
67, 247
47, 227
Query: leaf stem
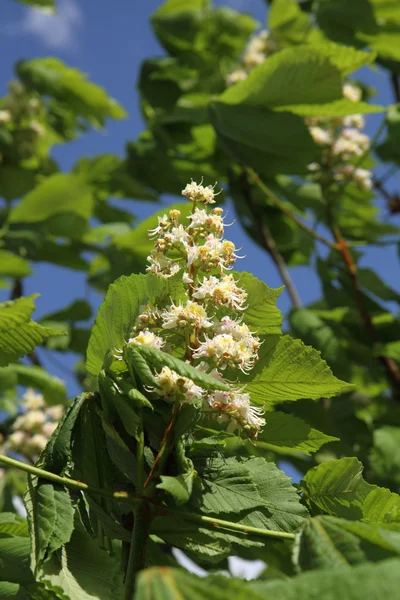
268, 242
216, 523
139, 500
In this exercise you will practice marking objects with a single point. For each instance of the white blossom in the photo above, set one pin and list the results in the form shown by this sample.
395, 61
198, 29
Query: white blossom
30, 421
160, 265
321, 136
175, 387
223, 291
199, 193
352, 92
192, 314
225, 351
148, 339
55, 412
32, 400
163, 225
5, 116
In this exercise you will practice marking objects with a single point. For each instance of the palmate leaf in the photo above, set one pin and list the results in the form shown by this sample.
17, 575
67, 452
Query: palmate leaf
124, 300
289, 370
338, 488
327, 541
252, 489
286, 434
18, 334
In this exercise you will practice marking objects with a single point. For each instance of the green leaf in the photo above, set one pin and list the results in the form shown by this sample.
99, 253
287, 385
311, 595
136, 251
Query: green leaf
270, 142
261, 312
289, 370
13, 525
338, 488
287, 21
78, 310
46, 5
346, 58
51, 77
326, 542
52, 388
123, 303
312, 330
286, 434
74, 200
12, 265
252, 489
360, 582
384, 456
179, 487
82, 571
50, 517
177, 584
16, 312
18, 342
159, 359
14, 563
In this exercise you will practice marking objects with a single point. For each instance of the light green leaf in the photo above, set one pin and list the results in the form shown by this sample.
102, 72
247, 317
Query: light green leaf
292, 76
287, 21
124, 301
338, 488
346, 58
18, 342
289, 370
13, 525
16, 312
261, 312
179, 487
286, 434
45, 5
51, 77
57, 196
78, 310
252, 489
12, 265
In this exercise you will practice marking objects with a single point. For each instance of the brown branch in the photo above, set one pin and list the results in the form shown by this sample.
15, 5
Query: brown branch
395, 86
390, 366
268, 241
282, 206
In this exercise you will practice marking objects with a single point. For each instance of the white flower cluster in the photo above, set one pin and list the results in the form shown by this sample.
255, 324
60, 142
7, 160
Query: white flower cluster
257, 50
32, 429
342, 142
203, 323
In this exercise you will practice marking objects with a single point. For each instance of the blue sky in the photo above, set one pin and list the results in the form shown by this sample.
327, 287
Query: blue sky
108, 40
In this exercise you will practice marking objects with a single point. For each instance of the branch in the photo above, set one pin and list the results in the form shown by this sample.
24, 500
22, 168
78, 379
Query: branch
396, 86
138, 500
391, 368
282, 206
268, 242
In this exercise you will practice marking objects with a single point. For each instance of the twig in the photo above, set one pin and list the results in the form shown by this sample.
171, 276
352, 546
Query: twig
282, 206
268, 242
134, 499
396, 86
389, 364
